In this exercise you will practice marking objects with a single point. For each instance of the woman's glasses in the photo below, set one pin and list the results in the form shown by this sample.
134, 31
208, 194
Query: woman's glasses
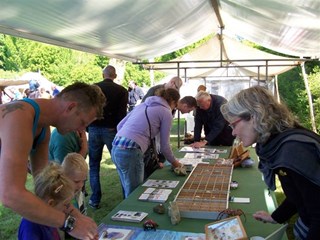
234, 124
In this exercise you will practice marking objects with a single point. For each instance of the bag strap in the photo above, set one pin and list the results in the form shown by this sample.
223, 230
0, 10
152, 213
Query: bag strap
152, 140
148, 123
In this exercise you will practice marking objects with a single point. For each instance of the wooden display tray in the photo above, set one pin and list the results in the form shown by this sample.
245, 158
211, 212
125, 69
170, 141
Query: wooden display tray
205, 193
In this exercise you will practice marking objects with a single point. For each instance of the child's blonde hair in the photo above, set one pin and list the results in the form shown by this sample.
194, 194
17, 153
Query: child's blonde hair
74, 162
52, 183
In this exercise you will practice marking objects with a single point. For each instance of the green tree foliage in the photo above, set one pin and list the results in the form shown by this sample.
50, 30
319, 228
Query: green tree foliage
89, 73
9, 58
314, 82
101, 61
60, 65
292, 89
293, 92
141, 76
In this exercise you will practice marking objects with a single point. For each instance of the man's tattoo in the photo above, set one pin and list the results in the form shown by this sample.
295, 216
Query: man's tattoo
11, 107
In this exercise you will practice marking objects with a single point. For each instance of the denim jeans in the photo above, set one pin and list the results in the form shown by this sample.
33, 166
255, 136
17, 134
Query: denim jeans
130, 167
98, 137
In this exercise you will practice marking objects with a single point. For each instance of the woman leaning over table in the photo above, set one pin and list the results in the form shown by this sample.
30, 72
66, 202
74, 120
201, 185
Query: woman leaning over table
133, 137
285, 149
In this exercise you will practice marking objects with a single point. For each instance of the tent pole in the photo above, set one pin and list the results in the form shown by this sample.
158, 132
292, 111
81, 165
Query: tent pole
178, 74
216, 9
267, 62
151, 73
221, 56
306, 84
215, 6
277, 88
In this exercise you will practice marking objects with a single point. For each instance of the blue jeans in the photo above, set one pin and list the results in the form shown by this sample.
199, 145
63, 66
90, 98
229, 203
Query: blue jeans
98, 137
130, 167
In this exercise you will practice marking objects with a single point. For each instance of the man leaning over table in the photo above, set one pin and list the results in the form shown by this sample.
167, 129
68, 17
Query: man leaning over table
25, 132
208, 116
187, 104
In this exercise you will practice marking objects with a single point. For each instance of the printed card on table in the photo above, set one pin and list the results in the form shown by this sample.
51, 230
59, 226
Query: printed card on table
160, 183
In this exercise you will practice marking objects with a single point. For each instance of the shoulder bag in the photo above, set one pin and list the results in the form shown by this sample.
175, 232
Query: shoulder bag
151, 159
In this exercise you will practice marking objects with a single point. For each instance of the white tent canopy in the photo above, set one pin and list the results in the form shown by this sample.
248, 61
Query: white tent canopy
142, 29
237, 60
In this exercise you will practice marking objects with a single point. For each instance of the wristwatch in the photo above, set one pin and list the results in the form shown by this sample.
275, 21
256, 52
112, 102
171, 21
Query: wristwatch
69, 223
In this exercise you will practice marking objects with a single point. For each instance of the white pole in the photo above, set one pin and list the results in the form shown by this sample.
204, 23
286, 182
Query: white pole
151, 73
305, 79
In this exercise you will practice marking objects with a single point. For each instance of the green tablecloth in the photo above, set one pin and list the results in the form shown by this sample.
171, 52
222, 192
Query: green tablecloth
251, 186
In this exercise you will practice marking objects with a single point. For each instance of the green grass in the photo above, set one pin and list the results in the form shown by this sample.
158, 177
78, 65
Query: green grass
111, 189
111, 193
10, 221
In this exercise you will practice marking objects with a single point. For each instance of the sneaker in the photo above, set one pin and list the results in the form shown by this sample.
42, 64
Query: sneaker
94, 205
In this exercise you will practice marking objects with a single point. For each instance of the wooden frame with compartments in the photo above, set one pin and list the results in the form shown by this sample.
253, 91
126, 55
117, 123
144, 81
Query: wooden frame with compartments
205, 193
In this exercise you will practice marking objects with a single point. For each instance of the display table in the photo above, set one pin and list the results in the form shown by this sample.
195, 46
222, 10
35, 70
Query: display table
251, 186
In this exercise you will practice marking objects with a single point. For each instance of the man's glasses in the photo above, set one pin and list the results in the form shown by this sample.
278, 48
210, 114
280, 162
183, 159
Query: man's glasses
234, 124
175, 85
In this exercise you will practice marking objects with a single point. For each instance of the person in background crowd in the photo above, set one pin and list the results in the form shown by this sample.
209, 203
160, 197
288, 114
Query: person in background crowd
135, 94
102, 132
72, 109
133, 137
26, 93
55, 90
174, 83
201, 88
285, 149
208, 115
43, 93
34, 89
55, 189
187, 104
33, 85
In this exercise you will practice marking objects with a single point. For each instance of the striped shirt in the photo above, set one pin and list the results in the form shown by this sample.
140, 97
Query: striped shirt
124, 142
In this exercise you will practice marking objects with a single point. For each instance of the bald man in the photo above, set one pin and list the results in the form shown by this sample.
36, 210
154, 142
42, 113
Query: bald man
102, 132
174, 83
